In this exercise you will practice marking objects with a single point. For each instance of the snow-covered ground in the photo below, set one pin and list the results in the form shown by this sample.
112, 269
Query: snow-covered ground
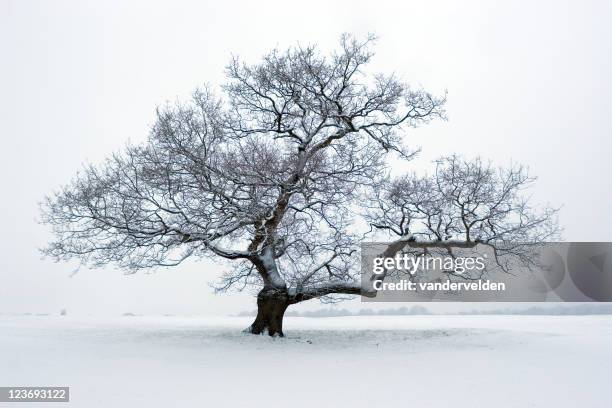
378, 361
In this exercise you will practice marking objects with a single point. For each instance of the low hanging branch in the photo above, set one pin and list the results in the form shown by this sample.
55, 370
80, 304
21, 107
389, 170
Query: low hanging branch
462, 205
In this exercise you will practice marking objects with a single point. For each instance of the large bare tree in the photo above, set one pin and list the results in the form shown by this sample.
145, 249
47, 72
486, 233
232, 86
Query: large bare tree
269, 175
265, 176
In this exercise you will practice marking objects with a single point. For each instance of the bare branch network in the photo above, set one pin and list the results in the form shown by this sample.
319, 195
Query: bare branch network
269, 176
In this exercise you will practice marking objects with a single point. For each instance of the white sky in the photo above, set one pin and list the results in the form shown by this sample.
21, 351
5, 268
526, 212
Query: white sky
527, 81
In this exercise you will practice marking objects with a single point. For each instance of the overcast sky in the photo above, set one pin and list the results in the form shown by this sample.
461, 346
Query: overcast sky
527, 82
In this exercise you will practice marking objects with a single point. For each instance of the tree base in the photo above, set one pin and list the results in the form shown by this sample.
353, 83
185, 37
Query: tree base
271, 307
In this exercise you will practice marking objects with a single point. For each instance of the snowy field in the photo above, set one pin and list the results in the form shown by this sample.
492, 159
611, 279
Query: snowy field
399, 361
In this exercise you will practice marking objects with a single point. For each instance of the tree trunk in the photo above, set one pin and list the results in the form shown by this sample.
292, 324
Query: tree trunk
271, 306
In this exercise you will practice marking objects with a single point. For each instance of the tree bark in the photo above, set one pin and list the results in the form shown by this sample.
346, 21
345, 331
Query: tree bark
271, 306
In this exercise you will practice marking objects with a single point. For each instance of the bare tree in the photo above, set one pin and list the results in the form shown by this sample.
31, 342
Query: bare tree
267, 176
464, 204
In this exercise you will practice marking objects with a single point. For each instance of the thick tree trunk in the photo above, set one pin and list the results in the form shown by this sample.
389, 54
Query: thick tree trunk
271, 306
